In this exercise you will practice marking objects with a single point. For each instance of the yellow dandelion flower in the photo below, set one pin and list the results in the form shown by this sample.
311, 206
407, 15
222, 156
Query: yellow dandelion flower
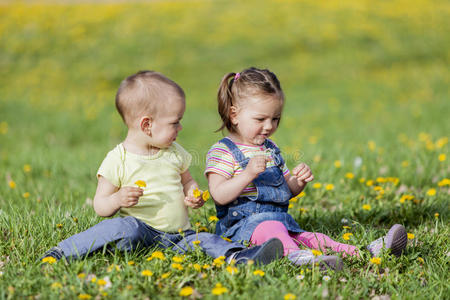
26, 195
140, 183
290, 205
293, 199
431, 192
177, 266
81, 276
289, 296
317, 185
84, 296
231, 269
197, 267
441, 142
346, 227
213, 219
444, 182
12, 184
27, 168
349, 175
410, 236
362, 180
165, 275
316, 252
329, 187
420, 259
303, 210
375, 260
56, 285
337, 164
369, 182
157, 255
219, 290
196, 193
259, 273
101, 282
49, 260
301, 195
113, 267
186, 291
94, 279
367, 207
205, 195
202, 229
147, 273
206, 266
405, 163
59, 225
196, 242
436, 215
442, 157
130, 263
381, 179
178, 259
371, 145
346, 236
219, 261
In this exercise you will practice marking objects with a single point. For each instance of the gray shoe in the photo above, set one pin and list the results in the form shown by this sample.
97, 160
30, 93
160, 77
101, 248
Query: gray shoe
262, 254
395, 240
306, 257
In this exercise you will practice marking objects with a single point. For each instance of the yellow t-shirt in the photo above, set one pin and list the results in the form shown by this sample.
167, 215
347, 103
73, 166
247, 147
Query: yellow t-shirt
162, 204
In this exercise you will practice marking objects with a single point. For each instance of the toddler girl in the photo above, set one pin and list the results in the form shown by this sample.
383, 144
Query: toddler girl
250, 182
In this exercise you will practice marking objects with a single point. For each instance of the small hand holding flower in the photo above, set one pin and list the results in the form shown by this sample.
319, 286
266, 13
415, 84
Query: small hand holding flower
194, 199
256, 165
303, 174
129, 196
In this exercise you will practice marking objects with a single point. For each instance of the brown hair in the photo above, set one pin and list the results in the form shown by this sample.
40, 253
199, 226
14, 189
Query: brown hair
142, 92
249, 82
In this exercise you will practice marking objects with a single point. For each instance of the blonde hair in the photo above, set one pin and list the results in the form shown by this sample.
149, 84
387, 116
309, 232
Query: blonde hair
142, 92
235, 87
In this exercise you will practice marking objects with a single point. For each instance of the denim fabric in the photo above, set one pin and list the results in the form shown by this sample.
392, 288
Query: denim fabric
129, 233
239, 219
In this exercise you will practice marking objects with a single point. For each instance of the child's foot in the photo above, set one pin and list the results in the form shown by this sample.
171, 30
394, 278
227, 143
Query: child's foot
395, 240
262, 254
54, 252
306, 257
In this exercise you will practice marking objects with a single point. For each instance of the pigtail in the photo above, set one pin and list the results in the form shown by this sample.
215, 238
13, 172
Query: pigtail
225, 101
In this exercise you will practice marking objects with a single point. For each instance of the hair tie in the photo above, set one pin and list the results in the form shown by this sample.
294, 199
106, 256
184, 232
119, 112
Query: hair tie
236, 77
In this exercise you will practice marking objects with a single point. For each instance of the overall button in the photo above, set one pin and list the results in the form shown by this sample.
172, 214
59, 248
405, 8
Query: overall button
235, 213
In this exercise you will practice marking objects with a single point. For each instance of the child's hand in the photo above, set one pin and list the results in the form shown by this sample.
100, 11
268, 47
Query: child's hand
303, 174
256, 165
193, 202
129, 196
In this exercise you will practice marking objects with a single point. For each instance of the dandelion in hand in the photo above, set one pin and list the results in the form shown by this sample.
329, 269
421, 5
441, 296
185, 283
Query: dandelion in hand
140, 183
205, 195
196, 193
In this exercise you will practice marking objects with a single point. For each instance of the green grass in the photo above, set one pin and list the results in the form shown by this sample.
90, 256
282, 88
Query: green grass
362, 81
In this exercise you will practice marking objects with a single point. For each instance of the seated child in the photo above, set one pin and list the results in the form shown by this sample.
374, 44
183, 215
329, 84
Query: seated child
153, 213
251, 184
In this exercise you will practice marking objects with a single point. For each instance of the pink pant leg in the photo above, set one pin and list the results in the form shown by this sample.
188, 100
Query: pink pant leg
317, 240
273, 229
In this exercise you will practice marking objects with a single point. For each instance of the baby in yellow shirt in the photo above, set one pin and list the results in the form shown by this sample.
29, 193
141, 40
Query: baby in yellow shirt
155, 212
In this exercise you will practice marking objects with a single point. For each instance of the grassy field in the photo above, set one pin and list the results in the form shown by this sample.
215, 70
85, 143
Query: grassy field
367, 102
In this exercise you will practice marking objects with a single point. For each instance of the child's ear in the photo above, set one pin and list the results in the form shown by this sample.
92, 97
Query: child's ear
146, 125
233, 114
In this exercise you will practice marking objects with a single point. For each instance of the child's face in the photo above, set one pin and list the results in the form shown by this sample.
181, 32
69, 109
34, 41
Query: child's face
257, 119
166, 123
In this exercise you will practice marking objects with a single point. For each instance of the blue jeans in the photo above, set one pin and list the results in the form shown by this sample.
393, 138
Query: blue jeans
129, 233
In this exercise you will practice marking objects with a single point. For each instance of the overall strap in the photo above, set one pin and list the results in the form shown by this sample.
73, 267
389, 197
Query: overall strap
237, 154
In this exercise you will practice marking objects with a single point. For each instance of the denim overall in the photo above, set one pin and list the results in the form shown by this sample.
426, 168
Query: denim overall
238, 219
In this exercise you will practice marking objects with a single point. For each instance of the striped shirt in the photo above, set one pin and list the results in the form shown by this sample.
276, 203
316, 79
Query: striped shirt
220, 160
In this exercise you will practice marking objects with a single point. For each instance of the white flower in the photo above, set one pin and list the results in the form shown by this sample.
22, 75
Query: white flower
344, 221
326, 278
300, 277
357, 163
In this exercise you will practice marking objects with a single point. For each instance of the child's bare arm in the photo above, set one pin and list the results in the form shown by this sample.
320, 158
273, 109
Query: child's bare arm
224, 190
189, 185
109, 199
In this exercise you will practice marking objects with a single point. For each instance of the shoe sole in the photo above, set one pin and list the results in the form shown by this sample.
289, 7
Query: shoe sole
396, 239
329, 262
270, 251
